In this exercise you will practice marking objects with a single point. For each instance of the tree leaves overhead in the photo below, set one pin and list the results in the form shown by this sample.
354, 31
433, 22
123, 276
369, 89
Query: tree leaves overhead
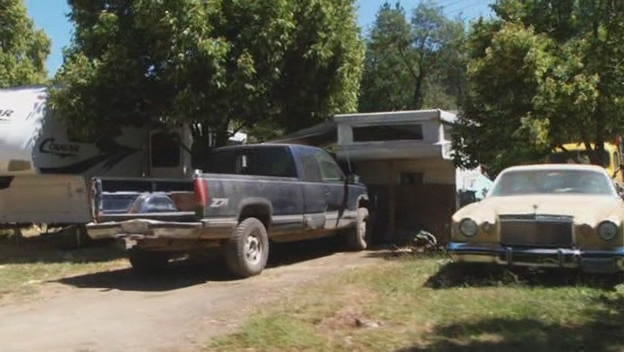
542, 73
415, 64
214, 63
23, 49
321, 69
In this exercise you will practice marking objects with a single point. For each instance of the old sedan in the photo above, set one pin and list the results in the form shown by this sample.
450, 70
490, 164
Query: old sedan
544, 216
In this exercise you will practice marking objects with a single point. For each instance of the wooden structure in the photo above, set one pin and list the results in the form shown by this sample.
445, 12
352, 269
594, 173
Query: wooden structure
404, 158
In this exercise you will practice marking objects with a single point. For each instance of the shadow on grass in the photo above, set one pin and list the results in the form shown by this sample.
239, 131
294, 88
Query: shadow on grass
601, 331
482, 275
179, 274
198, 270
511, 335
44, 249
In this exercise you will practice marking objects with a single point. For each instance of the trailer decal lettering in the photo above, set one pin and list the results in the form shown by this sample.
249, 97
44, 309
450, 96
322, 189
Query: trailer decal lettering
5, 114
49, 146
110, 154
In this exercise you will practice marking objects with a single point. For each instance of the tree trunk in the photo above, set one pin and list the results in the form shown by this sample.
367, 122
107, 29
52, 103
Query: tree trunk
418, 94
222, 133
599, 145
222, 137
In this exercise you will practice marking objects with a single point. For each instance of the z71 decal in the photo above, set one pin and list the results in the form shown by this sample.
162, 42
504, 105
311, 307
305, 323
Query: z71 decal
218, 202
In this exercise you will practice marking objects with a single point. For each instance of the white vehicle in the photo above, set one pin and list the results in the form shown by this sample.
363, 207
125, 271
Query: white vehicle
44, 173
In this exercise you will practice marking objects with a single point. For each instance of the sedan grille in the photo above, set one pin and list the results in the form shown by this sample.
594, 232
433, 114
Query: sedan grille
536, 230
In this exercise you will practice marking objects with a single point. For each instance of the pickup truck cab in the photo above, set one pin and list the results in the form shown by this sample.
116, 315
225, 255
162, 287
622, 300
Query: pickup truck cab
250, 196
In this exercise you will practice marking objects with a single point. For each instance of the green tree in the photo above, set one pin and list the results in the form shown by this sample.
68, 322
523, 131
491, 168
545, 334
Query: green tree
542, 73
413, 65
218, 64
386, 83
23, 48
322, 66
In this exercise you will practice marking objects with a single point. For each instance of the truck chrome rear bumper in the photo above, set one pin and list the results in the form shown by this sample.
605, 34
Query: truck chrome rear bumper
145, 229
592, 261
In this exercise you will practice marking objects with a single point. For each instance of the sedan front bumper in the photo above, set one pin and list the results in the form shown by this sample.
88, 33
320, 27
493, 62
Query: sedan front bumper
591, 261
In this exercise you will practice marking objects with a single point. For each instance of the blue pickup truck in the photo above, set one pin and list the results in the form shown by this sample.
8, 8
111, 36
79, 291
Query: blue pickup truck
248, 197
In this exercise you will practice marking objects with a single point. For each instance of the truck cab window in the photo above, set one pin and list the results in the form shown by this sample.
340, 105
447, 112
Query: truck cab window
165, 148
273, 161
330, 172
265, 161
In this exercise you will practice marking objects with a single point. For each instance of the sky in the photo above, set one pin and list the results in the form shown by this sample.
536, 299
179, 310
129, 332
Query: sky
51, 16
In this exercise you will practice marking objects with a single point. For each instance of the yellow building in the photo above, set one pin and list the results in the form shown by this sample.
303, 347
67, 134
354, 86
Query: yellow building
577, 153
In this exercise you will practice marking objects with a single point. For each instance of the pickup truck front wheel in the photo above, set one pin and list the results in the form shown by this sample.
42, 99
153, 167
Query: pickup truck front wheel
247, 251
357, 238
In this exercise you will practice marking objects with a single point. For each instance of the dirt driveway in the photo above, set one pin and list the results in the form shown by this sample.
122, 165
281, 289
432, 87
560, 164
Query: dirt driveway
178, 311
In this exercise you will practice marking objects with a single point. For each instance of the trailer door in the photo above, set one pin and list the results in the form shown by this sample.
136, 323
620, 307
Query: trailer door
168, 157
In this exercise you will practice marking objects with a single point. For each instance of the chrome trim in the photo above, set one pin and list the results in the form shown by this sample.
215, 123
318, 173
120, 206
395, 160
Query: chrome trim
537, 220
565, 257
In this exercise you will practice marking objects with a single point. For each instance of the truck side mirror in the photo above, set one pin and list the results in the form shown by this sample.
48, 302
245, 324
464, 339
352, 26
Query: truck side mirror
353, 179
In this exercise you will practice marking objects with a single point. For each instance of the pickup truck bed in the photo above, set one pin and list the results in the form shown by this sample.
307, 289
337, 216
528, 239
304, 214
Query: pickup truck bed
252, 195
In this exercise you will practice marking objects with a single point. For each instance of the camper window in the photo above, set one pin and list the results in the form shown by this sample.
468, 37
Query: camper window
411, 178
387, 133
165, 150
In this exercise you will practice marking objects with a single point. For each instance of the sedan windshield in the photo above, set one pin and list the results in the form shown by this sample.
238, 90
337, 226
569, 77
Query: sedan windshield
523, 182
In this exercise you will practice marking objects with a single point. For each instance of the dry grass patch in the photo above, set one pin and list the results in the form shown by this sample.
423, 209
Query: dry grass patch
25, 265
426, 304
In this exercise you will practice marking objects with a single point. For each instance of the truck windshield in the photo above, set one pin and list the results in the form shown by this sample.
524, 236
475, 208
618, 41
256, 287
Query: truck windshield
260, 161
552, 182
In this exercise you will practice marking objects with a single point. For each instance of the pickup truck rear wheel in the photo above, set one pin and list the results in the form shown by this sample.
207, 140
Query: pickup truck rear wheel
146, 262
357, 239
247, 251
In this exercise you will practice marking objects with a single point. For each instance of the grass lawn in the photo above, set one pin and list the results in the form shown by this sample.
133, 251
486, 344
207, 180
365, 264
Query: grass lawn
24, 266
427, 304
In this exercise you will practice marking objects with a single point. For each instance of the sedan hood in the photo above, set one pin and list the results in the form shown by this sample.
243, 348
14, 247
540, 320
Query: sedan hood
579, 206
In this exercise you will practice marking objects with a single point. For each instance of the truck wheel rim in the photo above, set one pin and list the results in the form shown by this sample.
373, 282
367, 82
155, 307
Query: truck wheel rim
253, 249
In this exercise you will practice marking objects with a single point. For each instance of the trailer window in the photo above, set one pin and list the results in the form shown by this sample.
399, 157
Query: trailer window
165, 150
387, 133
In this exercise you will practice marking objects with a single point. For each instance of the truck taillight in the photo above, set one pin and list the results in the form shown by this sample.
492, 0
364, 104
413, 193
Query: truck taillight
201, 192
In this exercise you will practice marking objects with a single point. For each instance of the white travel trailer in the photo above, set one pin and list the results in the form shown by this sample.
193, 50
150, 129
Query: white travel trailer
43, 171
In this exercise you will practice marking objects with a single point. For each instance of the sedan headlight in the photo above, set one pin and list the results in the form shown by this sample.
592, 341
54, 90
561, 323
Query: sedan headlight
607, 230
468, 227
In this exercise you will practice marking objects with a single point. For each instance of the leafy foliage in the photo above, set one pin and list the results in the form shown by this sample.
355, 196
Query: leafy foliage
541, 74
23, 48
217, 64
413, 65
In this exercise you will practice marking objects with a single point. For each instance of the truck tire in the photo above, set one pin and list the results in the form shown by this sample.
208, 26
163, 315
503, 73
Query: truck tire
247, 251
357, 238
147, 262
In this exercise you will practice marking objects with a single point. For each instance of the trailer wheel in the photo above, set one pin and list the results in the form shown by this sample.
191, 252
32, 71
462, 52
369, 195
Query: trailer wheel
147, 262
357, 238
247, 251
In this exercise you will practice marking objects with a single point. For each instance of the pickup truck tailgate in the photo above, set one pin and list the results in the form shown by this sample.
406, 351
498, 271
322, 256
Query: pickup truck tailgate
145, 207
